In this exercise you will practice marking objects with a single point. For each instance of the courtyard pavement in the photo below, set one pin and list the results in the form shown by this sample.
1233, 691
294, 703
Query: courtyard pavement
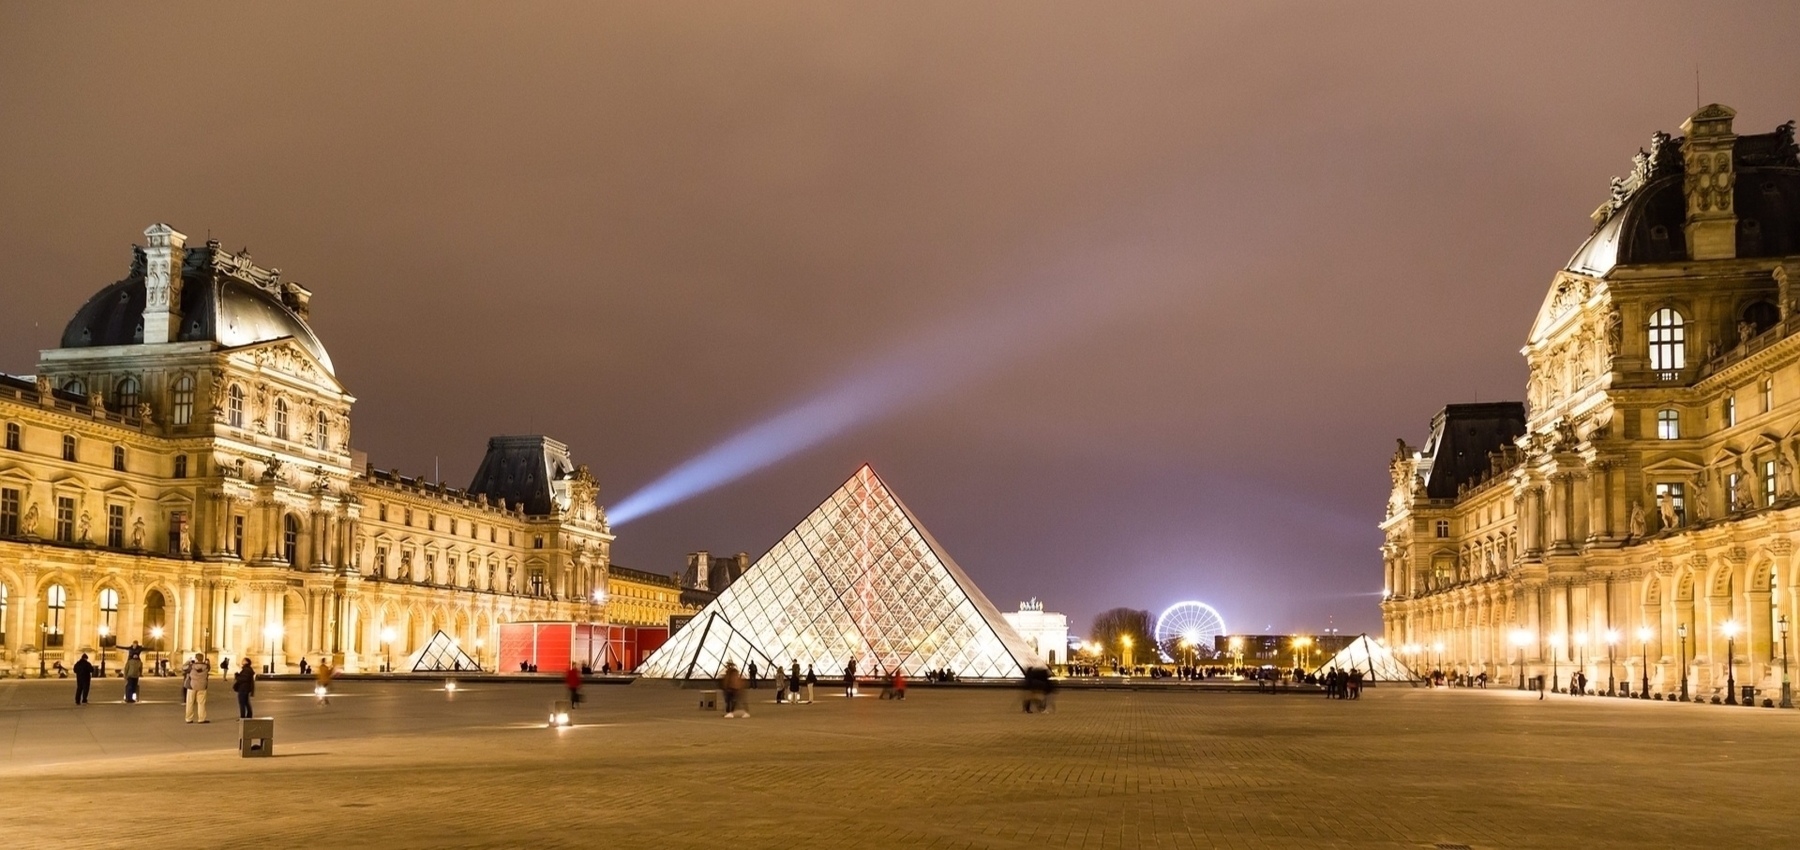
403, 764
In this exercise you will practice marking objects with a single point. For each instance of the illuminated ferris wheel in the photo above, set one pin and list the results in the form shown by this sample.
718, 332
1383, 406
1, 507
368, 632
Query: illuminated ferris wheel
1188, 625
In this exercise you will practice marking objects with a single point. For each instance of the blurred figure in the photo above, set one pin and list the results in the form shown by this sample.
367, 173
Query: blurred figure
194, 676
323, 675
781, 685
84, 679
134, 669
794, 682
573, 680
1037, 689
245, 686
732, 683
850, 678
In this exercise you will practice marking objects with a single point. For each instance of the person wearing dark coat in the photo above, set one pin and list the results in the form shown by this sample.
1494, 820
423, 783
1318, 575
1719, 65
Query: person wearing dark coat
850, 678
84, 678
245, 685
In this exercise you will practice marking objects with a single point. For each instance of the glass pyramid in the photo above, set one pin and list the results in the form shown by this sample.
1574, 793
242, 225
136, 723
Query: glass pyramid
858, 578
440, 654
1374, 659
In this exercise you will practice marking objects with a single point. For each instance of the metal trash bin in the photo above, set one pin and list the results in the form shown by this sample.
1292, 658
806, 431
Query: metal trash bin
1749, 697
709, 700
256, 737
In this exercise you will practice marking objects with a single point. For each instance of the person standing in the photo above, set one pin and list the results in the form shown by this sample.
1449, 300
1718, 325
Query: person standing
850, 678
573, 680
134, 669
323, 674
812, 679
781, 685
194, 676
753, 674
794, 682
84, 679
245, 685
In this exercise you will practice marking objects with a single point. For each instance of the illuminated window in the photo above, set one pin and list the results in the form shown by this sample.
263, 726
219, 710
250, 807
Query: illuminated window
65, 519
177, 532
109, 614
1443, 528
1677, 494
115, 526
281, 419
12, 436
1768, 394
69, 447
1668, 424
234, 406
1768, 482
1668, 344
125, 396
237, 535
1730, 411
290, 538
321, 431
182, 401
56, 599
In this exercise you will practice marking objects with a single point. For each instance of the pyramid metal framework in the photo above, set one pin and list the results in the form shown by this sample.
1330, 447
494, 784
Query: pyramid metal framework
1376, 662
441, 654
858, 578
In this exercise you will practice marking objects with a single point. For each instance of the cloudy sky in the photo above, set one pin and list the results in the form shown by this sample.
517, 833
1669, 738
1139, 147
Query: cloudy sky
1127, 302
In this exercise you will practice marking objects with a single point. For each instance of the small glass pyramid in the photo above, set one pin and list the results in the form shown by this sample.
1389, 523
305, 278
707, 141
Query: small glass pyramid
441, 654
1374, 659
860, 579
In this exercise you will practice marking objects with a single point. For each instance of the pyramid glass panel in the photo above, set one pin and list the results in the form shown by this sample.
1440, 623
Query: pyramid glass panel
1376, 662
859, 578
439, 655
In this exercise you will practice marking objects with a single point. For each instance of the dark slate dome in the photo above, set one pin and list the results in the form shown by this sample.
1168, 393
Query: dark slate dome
1645, 220
216, 306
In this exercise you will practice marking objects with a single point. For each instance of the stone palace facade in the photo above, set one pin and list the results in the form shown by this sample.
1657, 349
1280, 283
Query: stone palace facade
1637, 514
179, 472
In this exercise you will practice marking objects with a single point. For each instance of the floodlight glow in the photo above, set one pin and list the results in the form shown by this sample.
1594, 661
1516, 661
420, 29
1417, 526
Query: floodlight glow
927, 365
1643, 634
156, 632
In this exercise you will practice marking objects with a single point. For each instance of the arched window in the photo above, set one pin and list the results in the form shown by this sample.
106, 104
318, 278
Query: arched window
109, 616
1761, 316
281, 417
76, 388
234, 406
125, 395
181, 407
1668, 424
155, 619
56, 599
290, 538
1668, 344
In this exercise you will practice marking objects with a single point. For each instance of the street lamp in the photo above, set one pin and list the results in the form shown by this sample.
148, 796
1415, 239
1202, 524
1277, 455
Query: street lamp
43, 642
1681, 631
1299, 643
1520, 637
1730, 629
479, 654
387, 650
104, 631
1787, 688
1643, 636
1437, 651
598, 598
1556, 643
1612, 640
273, 632
1237, 652
1125, 640
1581, 662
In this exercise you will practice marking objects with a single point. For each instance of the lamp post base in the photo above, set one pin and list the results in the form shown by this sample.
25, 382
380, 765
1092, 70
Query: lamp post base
1787, 695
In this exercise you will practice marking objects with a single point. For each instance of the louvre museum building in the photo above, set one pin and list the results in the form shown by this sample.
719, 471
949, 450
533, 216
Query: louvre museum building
1634, 517
179, 473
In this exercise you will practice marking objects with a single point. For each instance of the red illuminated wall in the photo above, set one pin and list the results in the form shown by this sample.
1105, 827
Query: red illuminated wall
551, 645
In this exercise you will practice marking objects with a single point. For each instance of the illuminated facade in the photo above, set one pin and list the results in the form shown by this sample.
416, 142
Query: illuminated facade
181, 466
1046, 632
1636, 515
859, 579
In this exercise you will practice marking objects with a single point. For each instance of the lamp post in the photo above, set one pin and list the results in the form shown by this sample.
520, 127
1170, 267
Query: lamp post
1520, 637
1581, 663
1643, 636
1125, 657
1681, 632
1612, 640
43, 644
479, 653
387, 650
1556, 643
599, 599
104, 631
1787, 688
1437, 652
1299, 643
273, 632
1730, 629
1237, 653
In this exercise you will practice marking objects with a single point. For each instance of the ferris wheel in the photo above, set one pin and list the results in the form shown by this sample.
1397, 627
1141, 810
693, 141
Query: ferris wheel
1190, 624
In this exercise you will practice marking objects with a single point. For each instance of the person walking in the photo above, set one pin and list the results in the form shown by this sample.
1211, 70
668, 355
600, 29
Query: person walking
134, 669
899, 684
84, 679
245, 686
850, 678
323, 674
572, 679
732, 683
781, 685
194, 676
812, 680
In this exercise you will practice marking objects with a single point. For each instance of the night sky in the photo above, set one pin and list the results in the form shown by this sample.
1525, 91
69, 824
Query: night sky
1135, 298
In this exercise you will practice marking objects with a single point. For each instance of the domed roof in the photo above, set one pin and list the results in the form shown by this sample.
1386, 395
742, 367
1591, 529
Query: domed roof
1644, 220
217, 305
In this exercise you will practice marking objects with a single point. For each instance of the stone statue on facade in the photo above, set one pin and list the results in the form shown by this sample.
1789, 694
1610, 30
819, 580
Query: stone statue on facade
43, 386
137, 533
1741, 500
1702, 500
1665, 509
1638, 522
84, 528
30, 523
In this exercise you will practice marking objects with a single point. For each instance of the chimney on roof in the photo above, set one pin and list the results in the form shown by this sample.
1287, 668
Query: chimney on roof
1711, 176
162, 282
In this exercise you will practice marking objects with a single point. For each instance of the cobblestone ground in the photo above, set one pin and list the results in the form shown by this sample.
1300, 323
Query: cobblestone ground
400, 765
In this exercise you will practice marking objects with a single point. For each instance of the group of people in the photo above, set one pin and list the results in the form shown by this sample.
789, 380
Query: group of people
1343, 684
196, 676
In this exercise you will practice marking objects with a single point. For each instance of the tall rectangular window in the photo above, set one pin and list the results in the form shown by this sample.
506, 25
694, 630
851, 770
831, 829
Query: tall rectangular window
182, 407
9, 512
1443, 528
65, 519
177, 531
1768, 472
69, 447
1677, 500
115, 526
1668, 344
1768, 394
12, 436
119, 458
181, 466
1668, 424
3, 617
237, 535
1730, 411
